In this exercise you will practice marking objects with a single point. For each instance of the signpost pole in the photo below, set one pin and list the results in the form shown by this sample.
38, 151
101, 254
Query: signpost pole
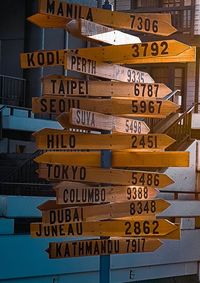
106, 162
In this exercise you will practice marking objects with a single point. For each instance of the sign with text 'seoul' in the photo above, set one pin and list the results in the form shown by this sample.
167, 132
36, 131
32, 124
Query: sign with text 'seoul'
62, 139
149, 23
59, 172
61, 85
96, 247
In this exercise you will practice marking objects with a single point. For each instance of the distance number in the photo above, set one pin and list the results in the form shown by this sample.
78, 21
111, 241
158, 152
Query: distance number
142, 207
145, 179
146, 106
135, 246
137, 193
148, 141
144, 24
150, 49
133, 126
150, 90
134, 76
141, 227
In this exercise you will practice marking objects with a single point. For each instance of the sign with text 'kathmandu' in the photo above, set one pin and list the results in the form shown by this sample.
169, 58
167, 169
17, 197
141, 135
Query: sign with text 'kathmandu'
96, 247
59, 172
61, 85
78, 193
158, 24
61, 139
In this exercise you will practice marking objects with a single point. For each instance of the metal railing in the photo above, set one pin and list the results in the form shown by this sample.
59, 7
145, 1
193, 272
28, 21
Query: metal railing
12, 90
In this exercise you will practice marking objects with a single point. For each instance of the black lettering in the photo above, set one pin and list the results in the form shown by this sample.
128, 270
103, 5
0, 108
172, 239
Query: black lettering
40, 58
67, 250
58, 249
89, 15
73, 62
78, 119
73, 86
61, 89
50, 58
30, 60
52, 105
50, 141
60, 10
53, 86
65, 172
52, 216
39, 232
69, 10
65, 195
43, 103
82, 173
49, 167
50, 7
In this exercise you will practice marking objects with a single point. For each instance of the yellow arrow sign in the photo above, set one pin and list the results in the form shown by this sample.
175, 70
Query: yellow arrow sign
61, 139
119, 159
119, 106
53, 213
61, 85
96, 120
78, 193
148, 23
96, 247
83, 65
148, 52
99, 175
113, 228
48, 21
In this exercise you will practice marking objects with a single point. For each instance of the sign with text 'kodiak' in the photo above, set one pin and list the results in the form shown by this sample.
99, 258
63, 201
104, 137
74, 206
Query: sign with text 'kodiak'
119, 159
83, 65
113, 228
119, 106
61, 85
158, 24
53, 213
60, 139
61, 172
141, 53
96, 247
79, 193
98, 121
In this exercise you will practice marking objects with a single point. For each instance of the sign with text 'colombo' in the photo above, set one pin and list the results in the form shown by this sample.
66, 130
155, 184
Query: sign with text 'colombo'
113, 228
146, 52
119, 106
119, 159
53, 213
61, 85
79, 193
96, 247
83, 65
149, 23
100, 121
59, 172
61, 139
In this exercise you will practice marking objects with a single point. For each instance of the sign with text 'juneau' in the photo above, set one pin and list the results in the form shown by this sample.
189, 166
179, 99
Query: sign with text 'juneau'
156, 108
119, 158
61, 85
149, 23
78, 193
62, 139
59, 172
141, 53
100, 121
53, 213
113, 228
83, 65
96, 247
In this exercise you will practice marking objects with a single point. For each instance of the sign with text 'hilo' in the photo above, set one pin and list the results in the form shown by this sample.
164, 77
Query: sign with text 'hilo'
61, 85
143, 159
96, 247
59, 172
78, 193
84, 119
61, 139
154, 108
53, 213
83, 65
149, 23
141, 53
113, 228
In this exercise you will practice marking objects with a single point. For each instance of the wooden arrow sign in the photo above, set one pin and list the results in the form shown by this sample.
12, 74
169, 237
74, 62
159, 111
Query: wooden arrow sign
112, 228
96, 247
83, 65
58, 172
148, 23
78, 193
61, 139
61, 85
119, 159
146, 52
53, 213
78, 118
48, 21
119, 106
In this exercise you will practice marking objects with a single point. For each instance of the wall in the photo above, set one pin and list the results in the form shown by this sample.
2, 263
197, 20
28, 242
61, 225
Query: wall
190, 84
197, 18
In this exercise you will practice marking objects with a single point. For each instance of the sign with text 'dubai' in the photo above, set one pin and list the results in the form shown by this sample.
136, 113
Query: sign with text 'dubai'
60, 172
113, 228
53, 213
78, 193
96, 247
61, 139
61, 85
149, 23
154, 108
